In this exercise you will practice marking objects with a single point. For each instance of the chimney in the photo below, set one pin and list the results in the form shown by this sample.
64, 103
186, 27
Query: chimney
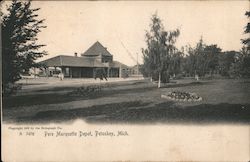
75, 54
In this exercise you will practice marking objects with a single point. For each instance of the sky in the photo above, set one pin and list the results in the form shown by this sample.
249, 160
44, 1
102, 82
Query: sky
74, 26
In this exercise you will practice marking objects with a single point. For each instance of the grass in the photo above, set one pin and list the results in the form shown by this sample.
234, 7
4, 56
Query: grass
138, 112
224, 101
57, 97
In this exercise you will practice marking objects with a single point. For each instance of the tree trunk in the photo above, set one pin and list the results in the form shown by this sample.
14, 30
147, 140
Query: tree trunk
159, 81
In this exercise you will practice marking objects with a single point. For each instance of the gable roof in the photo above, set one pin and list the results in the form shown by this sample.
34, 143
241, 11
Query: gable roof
96, 49
72, 61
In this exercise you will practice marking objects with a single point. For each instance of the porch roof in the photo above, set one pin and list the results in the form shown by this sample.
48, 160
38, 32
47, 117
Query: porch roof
117, 64
72, 61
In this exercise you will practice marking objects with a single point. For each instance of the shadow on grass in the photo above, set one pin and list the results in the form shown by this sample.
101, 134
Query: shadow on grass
170, 113
28, 84
67, 115
186, 84
144, 113
114, 84
56, 98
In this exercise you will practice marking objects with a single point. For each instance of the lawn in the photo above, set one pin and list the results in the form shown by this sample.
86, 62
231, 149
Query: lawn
224, 101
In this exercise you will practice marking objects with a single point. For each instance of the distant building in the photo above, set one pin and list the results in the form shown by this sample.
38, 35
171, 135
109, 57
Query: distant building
135, 70
84, 66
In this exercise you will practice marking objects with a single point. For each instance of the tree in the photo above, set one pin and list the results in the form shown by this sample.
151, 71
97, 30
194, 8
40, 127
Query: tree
175, 62
20, 28
212, 53
227, 60
196, 59
202, 59
243, 61
160, 49
246, 41
245, 51
189, 61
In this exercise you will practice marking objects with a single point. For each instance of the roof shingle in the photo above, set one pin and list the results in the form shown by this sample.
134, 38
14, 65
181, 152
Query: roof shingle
72, 61
96, 49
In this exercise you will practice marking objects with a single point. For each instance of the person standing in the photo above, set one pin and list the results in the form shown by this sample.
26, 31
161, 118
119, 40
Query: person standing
61, 76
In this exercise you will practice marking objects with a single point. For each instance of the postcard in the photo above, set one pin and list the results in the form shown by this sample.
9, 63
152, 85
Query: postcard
125, 80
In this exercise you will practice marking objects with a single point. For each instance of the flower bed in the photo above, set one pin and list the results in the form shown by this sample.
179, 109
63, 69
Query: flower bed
182, 96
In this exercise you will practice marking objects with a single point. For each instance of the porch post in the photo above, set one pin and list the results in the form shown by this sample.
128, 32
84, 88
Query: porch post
120, 71
70, 72
108, 72
46, 71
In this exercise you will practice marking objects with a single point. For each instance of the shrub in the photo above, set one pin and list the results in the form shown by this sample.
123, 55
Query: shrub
86, 90
178, 76
182, 96
10, 89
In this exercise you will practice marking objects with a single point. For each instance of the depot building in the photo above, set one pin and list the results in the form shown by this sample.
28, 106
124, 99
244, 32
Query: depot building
83, 66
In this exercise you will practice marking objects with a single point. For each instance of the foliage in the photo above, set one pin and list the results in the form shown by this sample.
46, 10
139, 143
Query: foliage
212, 53
202, 59
20, 28
11, 88
195, 61
246, 41
227, 61
86, 90
182, 96
175, 62
160, 49
245, 60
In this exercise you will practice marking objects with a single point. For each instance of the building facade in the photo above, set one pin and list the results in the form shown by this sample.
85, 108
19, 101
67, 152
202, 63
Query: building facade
84, 66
